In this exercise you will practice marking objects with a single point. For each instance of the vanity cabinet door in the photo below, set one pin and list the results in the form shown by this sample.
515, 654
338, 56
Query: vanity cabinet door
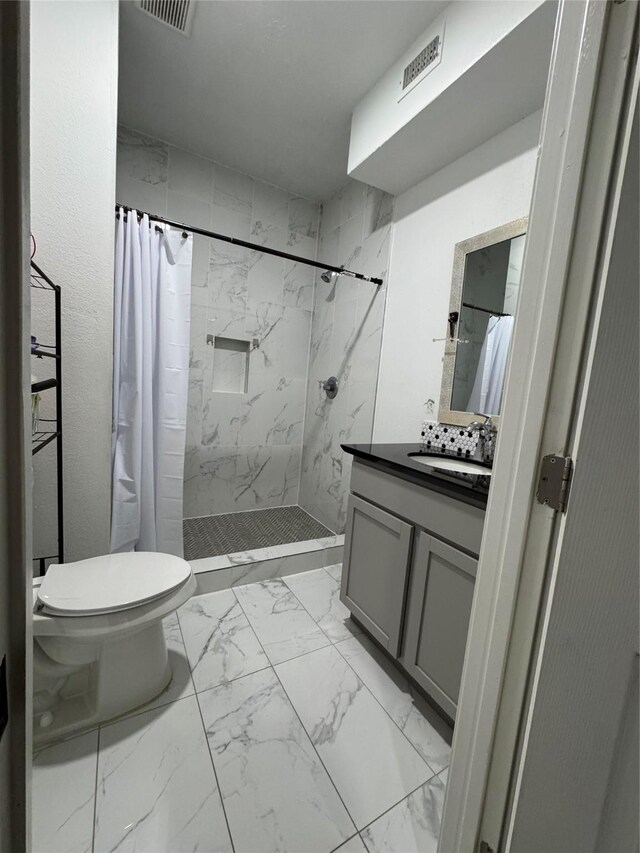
377, 551
438, 613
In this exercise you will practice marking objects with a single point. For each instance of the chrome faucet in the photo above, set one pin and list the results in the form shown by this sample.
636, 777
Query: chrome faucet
485, 429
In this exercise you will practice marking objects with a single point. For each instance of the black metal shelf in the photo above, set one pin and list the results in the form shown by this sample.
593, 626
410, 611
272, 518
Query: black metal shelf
36, 387
41, 439
52, 431
42, 353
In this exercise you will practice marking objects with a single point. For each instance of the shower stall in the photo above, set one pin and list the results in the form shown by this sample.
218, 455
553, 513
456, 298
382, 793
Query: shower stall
263, 461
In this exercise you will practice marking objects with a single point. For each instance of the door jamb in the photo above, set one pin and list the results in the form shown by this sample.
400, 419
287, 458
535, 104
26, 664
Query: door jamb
15, 386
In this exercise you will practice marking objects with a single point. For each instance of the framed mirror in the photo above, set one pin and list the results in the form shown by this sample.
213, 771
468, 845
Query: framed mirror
484, 296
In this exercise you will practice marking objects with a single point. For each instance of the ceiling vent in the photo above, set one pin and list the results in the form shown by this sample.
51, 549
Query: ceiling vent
175, 14
422, 63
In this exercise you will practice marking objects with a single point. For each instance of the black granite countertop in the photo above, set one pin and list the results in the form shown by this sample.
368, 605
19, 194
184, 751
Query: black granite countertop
395, 459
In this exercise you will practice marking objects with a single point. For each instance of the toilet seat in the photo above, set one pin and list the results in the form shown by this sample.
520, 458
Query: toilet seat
111, 583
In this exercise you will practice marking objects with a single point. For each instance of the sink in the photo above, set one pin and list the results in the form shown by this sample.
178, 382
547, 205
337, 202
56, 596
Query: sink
460, 466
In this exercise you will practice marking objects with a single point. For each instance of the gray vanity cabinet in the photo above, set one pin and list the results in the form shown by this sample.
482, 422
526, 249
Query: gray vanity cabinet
437, 620
377, 551
408, 575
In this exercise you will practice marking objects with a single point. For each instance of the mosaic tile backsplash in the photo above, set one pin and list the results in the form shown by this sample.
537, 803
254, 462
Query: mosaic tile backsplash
453, 440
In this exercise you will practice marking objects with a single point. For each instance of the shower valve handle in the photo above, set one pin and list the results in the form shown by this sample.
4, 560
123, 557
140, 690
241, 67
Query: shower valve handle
330, 387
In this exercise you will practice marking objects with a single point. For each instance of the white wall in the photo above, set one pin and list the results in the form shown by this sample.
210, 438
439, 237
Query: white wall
472, 29
486, 188
74, 69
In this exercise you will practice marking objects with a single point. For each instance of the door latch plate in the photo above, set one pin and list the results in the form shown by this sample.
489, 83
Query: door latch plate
554, 481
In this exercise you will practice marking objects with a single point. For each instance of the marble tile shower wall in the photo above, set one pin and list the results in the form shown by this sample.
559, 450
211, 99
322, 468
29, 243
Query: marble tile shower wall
346, 337
243, 450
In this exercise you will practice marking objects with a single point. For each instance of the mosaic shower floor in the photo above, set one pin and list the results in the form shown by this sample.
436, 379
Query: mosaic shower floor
284, 729
214, 535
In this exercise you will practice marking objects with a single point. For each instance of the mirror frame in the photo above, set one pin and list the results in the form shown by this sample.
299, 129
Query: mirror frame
496, 235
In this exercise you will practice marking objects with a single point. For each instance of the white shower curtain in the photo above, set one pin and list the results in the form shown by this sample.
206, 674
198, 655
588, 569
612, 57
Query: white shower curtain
486, 395
150, 384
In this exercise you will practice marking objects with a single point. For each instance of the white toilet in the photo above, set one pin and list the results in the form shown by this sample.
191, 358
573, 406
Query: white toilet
99, 648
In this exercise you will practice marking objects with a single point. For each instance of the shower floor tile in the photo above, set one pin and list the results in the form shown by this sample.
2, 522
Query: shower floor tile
214, 535
260, 761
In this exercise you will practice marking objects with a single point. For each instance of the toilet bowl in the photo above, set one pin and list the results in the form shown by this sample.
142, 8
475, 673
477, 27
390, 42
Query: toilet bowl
99, 649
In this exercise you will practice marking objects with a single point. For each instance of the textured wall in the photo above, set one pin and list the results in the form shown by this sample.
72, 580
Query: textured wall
243, 450
355, 230
74, 67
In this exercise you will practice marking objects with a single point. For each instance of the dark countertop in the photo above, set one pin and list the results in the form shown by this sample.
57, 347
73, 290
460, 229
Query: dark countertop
394, 459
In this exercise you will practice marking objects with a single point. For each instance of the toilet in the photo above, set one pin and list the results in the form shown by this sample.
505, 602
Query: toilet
99, 648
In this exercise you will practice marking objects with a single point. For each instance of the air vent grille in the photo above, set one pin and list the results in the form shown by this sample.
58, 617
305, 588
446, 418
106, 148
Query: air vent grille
426, 56
173, 13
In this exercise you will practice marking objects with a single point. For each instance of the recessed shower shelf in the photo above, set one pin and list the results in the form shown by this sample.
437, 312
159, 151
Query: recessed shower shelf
230, 365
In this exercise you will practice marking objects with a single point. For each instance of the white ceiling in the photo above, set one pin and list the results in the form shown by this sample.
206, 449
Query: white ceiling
264, 86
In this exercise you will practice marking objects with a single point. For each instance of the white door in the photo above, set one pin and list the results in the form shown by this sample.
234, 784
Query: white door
15, 449
573, 214
577, 784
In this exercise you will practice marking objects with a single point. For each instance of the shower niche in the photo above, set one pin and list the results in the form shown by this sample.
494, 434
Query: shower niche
231, 358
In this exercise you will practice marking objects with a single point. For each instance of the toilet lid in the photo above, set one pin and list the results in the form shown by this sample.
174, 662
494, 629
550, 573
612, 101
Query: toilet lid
110, 583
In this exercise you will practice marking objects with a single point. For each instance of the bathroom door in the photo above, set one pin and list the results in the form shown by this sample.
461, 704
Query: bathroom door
15, 450
577, 196
583, 717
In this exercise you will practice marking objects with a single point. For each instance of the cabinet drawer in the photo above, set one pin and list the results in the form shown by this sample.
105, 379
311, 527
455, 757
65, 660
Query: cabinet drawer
377, 551
440, 598
449, 519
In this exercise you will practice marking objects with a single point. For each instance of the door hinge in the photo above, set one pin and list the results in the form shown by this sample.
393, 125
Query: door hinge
555, 481
483, 847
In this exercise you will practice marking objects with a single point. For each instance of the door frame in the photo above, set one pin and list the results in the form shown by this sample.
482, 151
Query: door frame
15, 437
579, 144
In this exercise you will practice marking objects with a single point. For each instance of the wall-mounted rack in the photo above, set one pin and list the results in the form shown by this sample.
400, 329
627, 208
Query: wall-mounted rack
52, 427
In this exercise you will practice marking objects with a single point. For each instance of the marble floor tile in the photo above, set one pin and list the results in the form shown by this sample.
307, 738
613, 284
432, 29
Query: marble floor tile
255, 572
274, 552
398, 698
64, 781
319, 593
220, 642
281, 623
353, 845
260, 555
370, 761
277, 794
335, 571
156, 786
210, 564
412, 826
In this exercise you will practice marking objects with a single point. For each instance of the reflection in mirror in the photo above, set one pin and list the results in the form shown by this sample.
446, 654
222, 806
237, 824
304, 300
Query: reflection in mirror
484, 295
489, 298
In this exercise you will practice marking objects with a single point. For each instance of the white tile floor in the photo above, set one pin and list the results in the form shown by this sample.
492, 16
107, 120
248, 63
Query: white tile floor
284, 729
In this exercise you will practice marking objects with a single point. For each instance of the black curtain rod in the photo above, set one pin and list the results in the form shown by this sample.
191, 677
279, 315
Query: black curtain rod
255, 246
486, 310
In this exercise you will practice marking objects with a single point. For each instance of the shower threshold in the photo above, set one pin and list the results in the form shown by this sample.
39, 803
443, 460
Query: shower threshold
229, 533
